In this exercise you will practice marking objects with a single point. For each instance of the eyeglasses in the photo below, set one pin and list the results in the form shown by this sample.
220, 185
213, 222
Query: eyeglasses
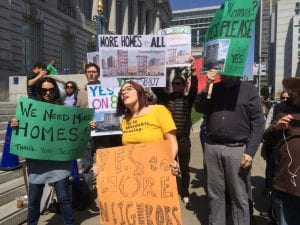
69, 86
128, 89
92, 71
174, 83
46, 90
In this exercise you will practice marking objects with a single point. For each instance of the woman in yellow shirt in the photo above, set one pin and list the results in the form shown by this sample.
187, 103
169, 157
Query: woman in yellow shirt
143, 122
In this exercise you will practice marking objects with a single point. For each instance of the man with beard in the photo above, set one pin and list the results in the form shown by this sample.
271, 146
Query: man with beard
285, 132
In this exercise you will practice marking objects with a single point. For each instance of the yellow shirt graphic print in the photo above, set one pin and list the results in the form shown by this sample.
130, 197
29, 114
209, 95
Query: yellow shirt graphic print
148, 127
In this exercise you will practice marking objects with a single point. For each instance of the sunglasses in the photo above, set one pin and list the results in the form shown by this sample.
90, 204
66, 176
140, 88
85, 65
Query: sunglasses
69, 86
46, 90
176, 83
284, 98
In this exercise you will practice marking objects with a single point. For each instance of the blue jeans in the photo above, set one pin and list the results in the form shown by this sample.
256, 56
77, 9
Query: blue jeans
286, 208
63, 197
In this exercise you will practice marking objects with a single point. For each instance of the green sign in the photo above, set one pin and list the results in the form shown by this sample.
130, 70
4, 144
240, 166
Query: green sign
49, 131
228, 37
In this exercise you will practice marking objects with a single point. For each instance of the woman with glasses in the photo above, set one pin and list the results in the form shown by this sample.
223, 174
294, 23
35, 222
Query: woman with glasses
71, 90
154, 121
41, 172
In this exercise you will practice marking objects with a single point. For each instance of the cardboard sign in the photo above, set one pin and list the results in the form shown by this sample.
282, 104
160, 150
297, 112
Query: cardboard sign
135, 185
49, 131
228, 38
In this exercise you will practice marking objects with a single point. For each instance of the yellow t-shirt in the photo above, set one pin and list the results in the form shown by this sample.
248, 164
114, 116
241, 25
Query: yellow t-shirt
148, 127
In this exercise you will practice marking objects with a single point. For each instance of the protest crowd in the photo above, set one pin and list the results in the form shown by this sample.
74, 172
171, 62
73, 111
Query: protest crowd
145, 150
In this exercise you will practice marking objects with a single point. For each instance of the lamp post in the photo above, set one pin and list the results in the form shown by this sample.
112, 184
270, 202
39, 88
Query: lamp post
100, 21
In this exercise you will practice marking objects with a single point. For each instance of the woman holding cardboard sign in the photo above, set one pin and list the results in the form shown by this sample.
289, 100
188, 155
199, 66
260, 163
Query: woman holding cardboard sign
41, 172
143, 122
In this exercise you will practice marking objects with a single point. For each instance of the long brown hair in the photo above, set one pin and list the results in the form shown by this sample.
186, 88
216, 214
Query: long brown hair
56, 99
142, 99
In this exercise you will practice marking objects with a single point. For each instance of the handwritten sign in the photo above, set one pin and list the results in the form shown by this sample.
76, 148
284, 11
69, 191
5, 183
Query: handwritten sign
228, 38
104, 101
50, 132
135, 185
132, 57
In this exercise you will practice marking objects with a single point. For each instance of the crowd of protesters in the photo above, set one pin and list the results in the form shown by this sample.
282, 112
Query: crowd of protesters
235, 122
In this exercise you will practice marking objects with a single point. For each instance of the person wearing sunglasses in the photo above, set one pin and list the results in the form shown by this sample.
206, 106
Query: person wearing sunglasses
180, 103
71, 90
41, 172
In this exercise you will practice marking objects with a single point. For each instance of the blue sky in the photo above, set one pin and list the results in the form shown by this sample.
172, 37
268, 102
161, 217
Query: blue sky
189, 4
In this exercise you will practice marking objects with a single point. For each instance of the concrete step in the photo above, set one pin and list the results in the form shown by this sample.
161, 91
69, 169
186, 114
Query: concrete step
3, 125
6, 105
9, 111
6, 176
11, 215
2, 134
10, 190
6, 118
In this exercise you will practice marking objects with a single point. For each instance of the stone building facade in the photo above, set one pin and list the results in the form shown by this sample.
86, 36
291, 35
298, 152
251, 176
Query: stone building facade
64, 30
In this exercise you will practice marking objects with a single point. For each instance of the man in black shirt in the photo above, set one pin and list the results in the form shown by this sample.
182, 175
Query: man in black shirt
37, 73
235, 125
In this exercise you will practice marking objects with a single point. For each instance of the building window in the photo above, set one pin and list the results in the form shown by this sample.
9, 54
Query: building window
67, 53
67, 7
31, 44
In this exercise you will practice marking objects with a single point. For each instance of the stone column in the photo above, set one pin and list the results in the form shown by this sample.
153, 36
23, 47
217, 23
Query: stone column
142, 19
157, 25
150, 24
135, 17
124, 5
112, 25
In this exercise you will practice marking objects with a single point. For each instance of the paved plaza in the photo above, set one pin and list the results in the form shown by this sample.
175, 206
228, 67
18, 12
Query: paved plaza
198, 215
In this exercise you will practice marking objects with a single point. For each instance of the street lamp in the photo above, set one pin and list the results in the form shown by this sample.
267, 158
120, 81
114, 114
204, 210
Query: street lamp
100, 21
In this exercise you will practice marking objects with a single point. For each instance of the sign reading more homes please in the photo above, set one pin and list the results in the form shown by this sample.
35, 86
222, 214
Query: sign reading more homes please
49, 131
228, 38
135, 185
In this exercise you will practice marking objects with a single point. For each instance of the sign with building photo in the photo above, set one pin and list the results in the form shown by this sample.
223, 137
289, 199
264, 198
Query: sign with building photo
93, 57
178, 45
135, 185
104, 101
132, 57
228, 37
49, 131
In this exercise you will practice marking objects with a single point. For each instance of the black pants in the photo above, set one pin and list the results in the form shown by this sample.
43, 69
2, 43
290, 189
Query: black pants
184, 156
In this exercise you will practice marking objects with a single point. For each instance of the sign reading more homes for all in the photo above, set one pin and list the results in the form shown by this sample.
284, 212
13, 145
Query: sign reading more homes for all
132, 57
49, 131
135, 185
104, 101
228, 38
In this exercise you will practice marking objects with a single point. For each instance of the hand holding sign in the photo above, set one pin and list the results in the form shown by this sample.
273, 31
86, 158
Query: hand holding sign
211, 76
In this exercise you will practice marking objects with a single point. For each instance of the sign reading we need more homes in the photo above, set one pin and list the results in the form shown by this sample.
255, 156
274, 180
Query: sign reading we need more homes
228, 38
135, 185
49, 131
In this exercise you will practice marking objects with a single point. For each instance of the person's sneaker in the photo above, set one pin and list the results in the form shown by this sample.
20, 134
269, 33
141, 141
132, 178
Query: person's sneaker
187, 203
